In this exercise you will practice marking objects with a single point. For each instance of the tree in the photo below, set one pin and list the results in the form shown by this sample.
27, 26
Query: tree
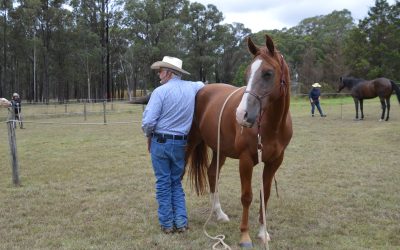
231, 53
372, 49
201, 36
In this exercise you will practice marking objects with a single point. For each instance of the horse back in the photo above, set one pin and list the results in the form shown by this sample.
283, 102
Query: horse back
370, 89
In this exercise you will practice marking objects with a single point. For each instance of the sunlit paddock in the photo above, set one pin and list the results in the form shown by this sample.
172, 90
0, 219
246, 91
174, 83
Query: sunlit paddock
92, 187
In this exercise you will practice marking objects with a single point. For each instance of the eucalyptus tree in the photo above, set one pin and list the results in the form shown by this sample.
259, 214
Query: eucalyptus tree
231, 53
201, 29
34, 24
6, 6
154, 27
93, 16
372, 50
321, 41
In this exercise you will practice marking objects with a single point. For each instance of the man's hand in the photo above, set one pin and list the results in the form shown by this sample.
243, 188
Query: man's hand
148, 143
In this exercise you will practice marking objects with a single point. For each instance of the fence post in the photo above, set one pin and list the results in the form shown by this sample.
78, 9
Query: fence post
84, 110
341, 107
13, 148
104, 112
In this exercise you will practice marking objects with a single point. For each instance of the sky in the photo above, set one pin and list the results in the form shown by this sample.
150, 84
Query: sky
260, 15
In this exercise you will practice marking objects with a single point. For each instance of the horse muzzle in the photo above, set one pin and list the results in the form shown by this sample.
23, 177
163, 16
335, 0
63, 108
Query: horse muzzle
243, 118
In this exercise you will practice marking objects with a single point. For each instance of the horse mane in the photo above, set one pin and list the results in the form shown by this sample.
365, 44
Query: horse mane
351, 81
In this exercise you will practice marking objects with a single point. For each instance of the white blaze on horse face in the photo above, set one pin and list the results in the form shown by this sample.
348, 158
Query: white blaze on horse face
242, 108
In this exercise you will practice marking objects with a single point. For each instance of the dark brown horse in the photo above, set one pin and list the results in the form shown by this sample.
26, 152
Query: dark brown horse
265, 104
361, 89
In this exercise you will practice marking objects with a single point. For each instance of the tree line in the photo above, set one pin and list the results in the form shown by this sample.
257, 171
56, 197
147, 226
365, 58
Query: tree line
103, 49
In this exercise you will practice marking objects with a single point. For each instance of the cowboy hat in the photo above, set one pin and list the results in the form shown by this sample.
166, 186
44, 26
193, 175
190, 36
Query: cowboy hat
316, 85
170, 63
4, 103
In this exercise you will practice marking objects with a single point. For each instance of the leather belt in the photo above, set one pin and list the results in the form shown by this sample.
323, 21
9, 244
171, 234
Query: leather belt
170, 137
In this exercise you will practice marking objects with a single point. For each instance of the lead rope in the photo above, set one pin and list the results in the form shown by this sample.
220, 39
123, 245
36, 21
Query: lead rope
219, 238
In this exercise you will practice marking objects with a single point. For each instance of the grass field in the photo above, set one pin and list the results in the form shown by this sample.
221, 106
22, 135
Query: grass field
92, 186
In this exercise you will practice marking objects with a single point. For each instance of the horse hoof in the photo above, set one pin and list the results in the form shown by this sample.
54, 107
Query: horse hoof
381, 120
223, 218
246, 244
264, 237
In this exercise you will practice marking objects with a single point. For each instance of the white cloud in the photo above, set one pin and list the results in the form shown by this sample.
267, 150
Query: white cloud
275, 14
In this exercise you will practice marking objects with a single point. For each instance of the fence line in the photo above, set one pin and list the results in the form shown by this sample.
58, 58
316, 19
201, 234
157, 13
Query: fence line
82, 123
11, 125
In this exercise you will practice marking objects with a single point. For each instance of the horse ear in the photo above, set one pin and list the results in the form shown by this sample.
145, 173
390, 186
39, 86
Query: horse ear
252, 48
270, 45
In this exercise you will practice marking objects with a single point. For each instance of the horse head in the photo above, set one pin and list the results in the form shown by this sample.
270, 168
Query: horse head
349, 82
342, 84
265, 76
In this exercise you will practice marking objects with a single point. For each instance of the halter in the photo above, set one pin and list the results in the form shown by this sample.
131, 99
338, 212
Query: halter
259, 98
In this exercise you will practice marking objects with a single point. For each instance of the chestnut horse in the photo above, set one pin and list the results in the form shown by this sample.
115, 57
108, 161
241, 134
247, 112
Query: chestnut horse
265, 104
361, 89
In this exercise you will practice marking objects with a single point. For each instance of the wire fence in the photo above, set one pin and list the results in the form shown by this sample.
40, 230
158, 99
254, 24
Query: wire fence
120, 113
83, 109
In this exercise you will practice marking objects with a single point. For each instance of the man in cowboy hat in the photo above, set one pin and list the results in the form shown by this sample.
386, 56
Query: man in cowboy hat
166, 123
315, 96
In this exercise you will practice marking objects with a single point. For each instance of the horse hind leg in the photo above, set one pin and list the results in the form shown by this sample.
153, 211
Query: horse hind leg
214, 195
362, 109
383, 106
356, 107
388, 108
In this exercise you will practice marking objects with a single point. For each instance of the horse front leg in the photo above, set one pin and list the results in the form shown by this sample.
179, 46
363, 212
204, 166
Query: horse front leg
356, 106
214, 195
268, 175
246, 172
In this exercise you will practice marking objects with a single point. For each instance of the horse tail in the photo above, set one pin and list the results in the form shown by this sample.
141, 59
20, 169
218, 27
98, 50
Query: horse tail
198, 164
396, 89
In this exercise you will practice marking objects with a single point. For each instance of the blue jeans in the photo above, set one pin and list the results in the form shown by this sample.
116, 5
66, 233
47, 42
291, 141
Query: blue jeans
168, 161
313, 104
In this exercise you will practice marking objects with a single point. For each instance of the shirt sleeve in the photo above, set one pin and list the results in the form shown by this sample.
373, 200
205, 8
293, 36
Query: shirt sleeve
152, 113
199, 85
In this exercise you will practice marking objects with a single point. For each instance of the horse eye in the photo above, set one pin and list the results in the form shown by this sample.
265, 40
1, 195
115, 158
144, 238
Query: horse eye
267, 74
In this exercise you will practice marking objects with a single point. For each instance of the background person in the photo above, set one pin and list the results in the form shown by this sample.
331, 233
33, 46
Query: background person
16, 105
315, 96
166, 122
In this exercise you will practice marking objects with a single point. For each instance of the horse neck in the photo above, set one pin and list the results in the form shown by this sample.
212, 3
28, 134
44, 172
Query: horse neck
353, 83
274, 114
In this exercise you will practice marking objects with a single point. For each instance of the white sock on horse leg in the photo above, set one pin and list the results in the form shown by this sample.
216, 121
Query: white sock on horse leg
216, 207
263, 234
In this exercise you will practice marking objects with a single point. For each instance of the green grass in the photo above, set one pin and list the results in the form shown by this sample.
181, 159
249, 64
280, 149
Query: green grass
92, 186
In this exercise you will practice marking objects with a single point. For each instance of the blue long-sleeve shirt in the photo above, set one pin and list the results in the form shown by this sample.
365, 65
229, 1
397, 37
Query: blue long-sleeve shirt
170, 108
314, 94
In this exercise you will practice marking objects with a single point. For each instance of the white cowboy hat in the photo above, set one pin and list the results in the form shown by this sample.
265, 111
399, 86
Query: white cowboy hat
16, 95
170, 63
316, 85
